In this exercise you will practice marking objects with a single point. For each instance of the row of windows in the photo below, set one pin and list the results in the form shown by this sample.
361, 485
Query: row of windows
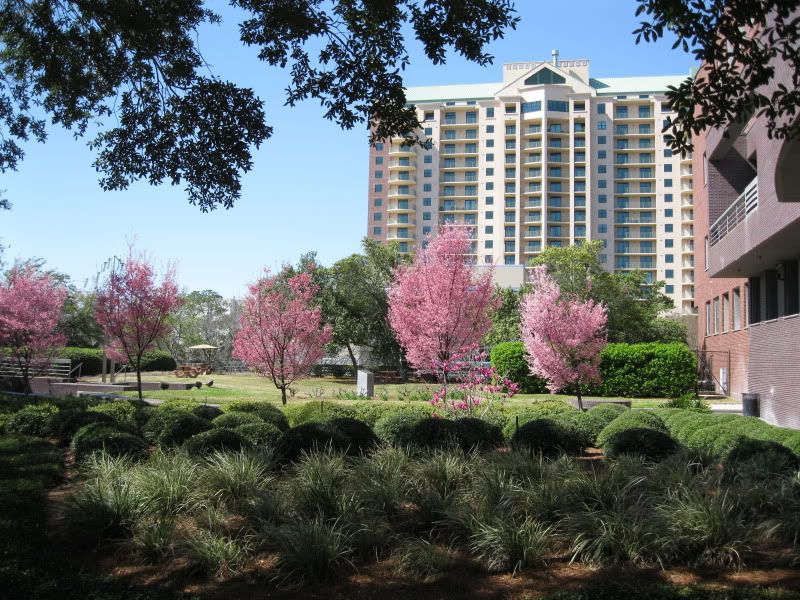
727, 313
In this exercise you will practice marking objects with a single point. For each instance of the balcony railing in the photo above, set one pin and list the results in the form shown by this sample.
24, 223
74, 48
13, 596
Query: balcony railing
737, 212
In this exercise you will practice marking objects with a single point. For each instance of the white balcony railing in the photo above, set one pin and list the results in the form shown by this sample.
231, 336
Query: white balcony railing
737, 212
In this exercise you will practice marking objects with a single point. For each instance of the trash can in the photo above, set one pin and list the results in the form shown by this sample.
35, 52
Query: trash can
750, 406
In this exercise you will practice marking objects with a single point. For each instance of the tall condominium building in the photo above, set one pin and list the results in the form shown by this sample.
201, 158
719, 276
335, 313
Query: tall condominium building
547, 157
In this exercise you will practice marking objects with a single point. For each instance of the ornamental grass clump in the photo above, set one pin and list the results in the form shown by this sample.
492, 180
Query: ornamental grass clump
216, 554
424, 558
236, 477
509, 545
167, 483
315, 549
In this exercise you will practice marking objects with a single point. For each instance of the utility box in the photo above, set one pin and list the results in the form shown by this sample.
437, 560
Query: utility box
365, 383
750, 405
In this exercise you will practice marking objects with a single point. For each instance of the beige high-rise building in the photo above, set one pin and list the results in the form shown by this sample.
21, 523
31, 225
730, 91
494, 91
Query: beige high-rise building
548, 157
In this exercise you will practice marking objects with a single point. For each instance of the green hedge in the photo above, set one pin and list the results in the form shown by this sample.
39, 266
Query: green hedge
508, 358
651, 370
92, 359
632, 419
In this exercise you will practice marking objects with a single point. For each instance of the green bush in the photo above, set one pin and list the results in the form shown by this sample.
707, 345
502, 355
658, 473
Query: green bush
158, 360
395, 427
647, 370
640, 441
260, 434
233, 420
518, 416
600, 415
359, 435
269, 413
508, 358
479, 433
122, 412
774, 457
40, 420
173, 427
215, 440
308, 437
580, 428
316, 411
71, 420
371, 411
205, 411
633, 419
109, 438
91, 359
547, 436
435, 432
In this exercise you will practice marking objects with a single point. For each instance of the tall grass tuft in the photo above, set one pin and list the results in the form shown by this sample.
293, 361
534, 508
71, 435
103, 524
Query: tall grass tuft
438, 478
311, 549
236, 477
168, 483
423, 558
317, 485
108, 503
506, 544
216, 554
153, 539
382, 480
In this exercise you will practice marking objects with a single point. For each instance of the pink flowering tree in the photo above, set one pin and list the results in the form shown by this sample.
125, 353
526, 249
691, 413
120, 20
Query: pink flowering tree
132, 308
563, 336
30, 308
281, 335
439, 308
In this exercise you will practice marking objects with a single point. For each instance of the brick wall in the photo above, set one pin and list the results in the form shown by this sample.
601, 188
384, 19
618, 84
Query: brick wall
774, 370
726, 349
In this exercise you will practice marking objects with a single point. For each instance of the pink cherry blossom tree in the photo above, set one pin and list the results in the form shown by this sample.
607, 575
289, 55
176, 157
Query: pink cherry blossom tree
563, 336
30, 308
132, 308
439, 307
281, 335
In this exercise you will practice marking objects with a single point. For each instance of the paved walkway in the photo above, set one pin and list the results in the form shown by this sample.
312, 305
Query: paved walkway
727, 408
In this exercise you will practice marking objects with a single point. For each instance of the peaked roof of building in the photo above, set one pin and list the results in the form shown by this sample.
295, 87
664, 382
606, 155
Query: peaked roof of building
606, 86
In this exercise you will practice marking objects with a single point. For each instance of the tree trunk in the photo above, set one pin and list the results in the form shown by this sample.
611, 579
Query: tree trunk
353, 360
283, 395
578, 392
139, 377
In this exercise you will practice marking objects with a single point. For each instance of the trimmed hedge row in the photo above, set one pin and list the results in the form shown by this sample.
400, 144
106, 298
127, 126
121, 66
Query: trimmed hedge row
509, 360
92, 359
650, 370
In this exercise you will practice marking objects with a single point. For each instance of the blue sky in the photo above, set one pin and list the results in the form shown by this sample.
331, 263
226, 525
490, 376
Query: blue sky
61, 214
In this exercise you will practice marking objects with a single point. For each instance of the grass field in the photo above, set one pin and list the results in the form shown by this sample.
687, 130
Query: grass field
247, 386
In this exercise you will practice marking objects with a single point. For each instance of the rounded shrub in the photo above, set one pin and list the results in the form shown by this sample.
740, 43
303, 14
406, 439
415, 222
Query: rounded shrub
541, 409
599, 416
371, 411
73, 419
269, 413
395, 427
632, 419
40, 420
207, 412
434, 432
173, 427
215, 440
233, 420
651, 444
546, 436
478, 433
121, 412
260, 434
773, 458
307, 438
508, 358
158, 360
575, 421
316, 411
360, 436
107, 437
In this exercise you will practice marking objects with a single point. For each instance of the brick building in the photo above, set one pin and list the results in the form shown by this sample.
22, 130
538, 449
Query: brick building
747, 246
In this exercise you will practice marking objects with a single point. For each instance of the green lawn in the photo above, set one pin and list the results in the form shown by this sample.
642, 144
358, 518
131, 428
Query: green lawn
247, 386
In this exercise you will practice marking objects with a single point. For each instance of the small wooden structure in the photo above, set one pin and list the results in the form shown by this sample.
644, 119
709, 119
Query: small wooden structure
194, 369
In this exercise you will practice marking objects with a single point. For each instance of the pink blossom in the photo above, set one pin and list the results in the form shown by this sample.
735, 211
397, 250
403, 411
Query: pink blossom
30, 308
438, 308
563, 336
133, 310
281, 335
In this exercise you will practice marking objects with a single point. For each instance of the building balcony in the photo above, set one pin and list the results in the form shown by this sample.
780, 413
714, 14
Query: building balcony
400, 223
403, 181
401, 151
410, 193
737, 212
